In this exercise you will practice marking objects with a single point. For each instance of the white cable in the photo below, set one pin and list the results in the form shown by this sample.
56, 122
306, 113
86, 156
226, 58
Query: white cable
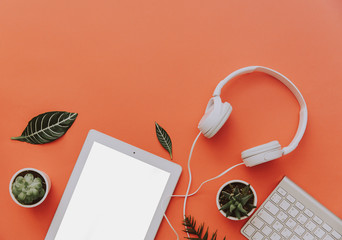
171, 226
189, 185
190, 176
211, 179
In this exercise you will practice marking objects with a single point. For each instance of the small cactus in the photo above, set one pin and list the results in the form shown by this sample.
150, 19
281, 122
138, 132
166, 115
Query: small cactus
28, 189
234, 201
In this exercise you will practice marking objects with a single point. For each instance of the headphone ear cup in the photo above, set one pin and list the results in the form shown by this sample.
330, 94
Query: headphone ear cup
215, 116
262, 154
211, 113
226, 110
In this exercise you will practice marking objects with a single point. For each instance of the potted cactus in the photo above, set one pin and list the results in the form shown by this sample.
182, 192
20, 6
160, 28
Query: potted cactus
29, 187
236, 200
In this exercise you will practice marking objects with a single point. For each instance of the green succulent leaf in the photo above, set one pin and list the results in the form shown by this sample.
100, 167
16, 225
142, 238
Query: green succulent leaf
29, 178
237, 213
240, 208
251, 206
225, 194
245, 199
47, 127
232, 208
164, 138
245, 190
226, 206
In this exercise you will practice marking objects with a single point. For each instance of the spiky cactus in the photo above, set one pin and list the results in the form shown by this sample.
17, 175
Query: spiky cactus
28, 189
234, 201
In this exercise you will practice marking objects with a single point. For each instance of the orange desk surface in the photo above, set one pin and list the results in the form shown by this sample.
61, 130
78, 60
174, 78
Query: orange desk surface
124, 64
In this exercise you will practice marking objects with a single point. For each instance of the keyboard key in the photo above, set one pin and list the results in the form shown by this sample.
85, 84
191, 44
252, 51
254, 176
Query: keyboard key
302, 219
327, 237
290, 198
275, 236
286, 233
299, 230
266, 216
308, 236
271, 207
284, 204
326, 227
276, 198
282, 216
257, 236
308, 213
310, 226
257, 222
293, 211
290, 223
267, 230
294, 237
319, 233
277, 226
336, 234
299, 206
281, 191
249, 230
317, 220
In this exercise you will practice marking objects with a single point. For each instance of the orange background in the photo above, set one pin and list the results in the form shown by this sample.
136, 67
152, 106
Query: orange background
124, 64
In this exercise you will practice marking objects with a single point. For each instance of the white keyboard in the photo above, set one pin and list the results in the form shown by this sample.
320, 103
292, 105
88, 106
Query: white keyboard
292, 214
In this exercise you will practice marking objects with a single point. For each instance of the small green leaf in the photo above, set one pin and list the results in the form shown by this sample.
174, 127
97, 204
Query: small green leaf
224, 193
164, 138
245, 199
241, 209
226, 206
232, 208
47, 127
245, 190
190, 224
237, 213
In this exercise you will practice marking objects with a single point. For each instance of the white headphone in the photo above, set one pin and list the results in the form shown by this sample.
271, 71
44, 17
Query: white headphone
217, 113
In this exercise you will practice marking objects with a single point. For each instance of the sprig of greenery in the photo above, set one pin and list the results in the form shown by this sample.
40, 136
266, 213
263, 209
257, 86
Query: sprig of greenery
190, 227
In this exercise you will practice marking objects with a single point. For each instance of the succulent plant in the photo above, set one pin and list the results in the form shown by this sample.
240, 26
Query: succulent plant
28, 189
236, 200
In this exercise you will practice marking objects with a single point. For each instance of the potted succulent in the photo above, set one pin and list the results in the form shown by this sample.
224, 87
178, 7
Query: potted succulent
236, 200
29, 187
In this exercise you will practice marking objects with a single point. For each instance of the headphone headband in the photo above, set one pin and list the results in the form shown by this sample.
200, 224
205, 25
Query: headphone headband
303, 114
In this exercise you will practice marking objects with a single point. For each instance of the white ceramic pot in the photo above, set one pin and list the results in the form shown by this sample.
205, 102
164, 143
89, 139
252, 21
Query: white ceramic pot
254, 202
45, 178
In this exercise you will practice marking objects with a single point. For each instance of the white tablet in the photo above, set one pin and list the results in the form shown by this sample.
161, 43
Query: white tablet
116, 191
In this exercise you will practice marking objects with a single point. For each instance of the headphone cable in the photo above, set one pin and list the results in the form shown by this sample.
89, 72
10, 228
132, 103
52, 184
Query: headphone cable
189, 185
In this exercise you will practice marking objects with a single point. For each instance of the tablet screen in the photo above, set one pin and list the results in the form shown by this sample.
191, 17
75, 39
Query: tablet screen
115, 197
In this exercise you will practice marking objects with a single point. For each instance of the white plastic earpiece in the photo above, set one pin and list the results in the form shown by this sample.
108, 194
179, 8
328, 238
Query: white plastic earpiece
262, 154
215, 116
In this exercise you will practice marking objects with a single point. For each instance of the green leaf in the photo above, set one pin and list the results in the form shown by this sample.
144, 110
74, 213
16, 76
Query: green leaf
245, 199
190, 224
225, 194
225, 206
236, 191
164, 138
241, 209
232, 208
237, 214
245, 190
47, 127
214, 236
